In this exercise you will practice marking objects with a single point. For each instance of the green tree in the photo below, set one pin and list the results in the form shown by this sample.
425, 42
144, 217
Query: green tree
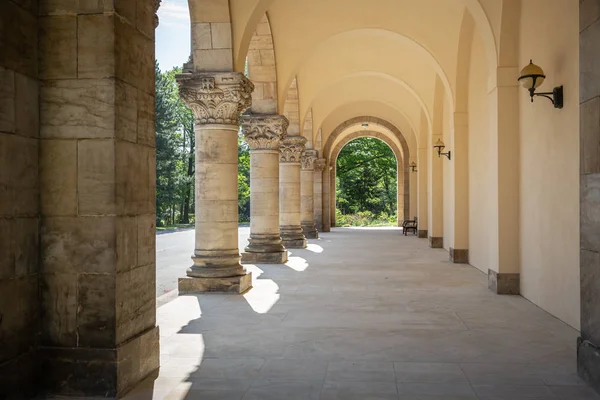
366, 180
174, 152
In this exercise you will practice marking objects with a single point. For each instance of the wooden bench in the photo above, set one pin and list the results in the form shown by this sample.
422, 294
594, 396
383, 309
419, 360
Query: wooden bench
409, 225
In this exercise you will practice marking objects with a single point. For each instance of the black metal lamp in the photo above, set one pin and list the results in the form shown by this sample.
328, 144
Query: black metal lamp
439, 146
532, 76
413, 166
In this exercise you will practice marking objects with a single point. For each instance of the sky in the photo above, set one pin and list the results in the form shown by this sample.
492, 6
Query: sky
173, 34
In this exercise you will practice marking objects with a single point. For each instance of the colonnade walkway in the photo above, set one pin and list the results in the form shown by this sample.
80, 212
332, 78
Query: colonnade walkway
363, 314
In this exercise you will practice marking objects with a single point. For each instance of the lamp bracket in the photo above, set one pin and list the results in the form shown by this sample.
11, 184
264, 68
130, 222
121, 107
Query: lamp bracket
448, 154
556, 96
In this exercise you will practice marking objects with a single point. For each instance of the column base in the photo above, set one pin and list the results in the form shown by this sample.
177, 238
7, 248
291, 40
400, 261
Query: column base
265, 258
422, 234
310, 231
459, 256
100, 372
233, 284
504, 283
436, 242
588, 363
292, 237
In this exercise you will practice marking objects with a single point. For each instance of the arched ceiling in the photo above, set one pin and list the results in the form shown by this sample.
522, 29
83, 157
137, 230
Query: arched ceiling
366, 88
357, 57
375, 109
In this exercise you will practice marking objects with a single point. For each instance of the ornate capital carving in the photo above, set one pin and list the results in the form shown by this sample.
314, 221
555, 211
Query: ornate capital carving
264, 132
216, 97
320, 164
291, 149
308, 159
156, 7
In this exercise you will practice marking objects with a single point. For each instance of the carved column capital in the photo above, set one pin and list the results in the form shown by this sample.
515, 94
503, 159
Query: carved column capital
291, 149
264, 132
308, 159
156, 7
216, 97
320, 164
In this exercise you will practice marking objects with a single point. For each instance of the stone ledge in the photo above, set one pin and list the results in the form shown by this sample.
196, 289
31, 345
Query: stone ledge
588, 363
504, 283
100, 372
265, 258
459, 256
422, 234
234, 284
436, 242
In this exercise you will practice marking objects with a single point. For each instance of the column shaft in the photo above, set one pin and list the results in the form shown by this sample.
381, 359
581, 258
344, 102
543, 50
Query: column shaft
216, 99
326, 199
264, 134
318, 194
307, 208
289, 192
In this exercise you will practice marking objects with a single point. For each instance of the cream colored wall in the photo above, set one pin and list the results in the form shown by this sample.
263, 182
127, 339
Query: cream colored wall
480, 212
448, 178
550, 161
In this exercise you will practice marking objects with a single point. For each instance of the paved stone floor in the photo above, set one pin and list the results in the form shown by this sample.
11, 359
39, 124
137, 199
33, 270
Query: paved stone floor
363, 314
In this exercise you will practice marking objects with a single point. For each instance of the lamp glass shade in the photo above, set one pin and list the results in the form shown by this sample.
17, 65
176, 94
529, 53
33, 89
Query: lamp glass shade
532, 76
439, 144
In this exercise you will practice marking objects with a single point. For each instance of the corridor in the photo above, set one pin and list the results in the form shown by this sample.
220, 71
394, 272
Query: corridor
363, 314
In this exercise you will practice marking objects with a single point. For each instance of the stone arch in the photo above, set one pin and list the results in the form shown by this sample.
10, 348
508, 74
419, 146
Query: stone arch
291, 109
402, 157
402, 201
262, 69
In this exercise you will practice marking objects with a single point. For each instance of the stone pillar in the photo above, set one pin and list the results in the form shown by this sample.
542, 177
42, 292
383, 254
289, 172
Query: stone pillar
289, 192
332, 196
216, 99
97, 177
326, 198
318, 193
504, 266
264, 134
307, 185
588, 345
459, 250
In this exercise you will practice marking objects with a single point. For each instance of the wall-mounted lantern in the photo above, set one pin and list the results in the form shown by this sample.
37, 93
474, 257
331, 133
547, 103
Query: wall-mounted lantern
439, 146
532, 76
365, 125
413, 166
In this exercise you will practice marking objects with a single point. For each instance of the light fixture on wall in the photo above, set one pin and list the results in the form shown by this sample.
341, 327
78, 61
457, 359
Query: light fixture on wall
413, 166
439, 146
365, 125
532, 76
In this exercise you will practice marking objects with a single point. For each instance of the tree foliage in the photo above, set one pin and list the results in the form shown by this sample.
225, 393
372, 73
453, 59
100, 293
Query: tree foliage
366, 182
175, 148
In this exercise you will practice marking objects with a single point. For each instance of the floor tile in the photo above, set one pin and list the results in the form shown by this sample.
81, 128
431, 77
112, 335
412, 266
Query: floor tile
359, 391
278, 390
294, 370
429, 372
360, 371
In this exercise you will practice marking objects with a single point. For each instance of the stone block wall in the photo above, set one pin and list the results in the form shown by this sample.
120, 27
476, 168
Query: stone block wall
97, 182
588, 353
19, 193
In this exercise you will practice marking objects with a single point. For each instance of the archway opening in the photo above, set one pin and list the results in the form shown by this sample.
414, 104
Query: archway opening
366, 184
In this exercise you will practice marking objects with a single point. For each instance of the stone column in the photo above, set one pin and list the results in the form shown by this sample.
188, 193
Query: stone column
326, 199
318, 193
289, 192
216, 99
588, 344
264, 134
307, 182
